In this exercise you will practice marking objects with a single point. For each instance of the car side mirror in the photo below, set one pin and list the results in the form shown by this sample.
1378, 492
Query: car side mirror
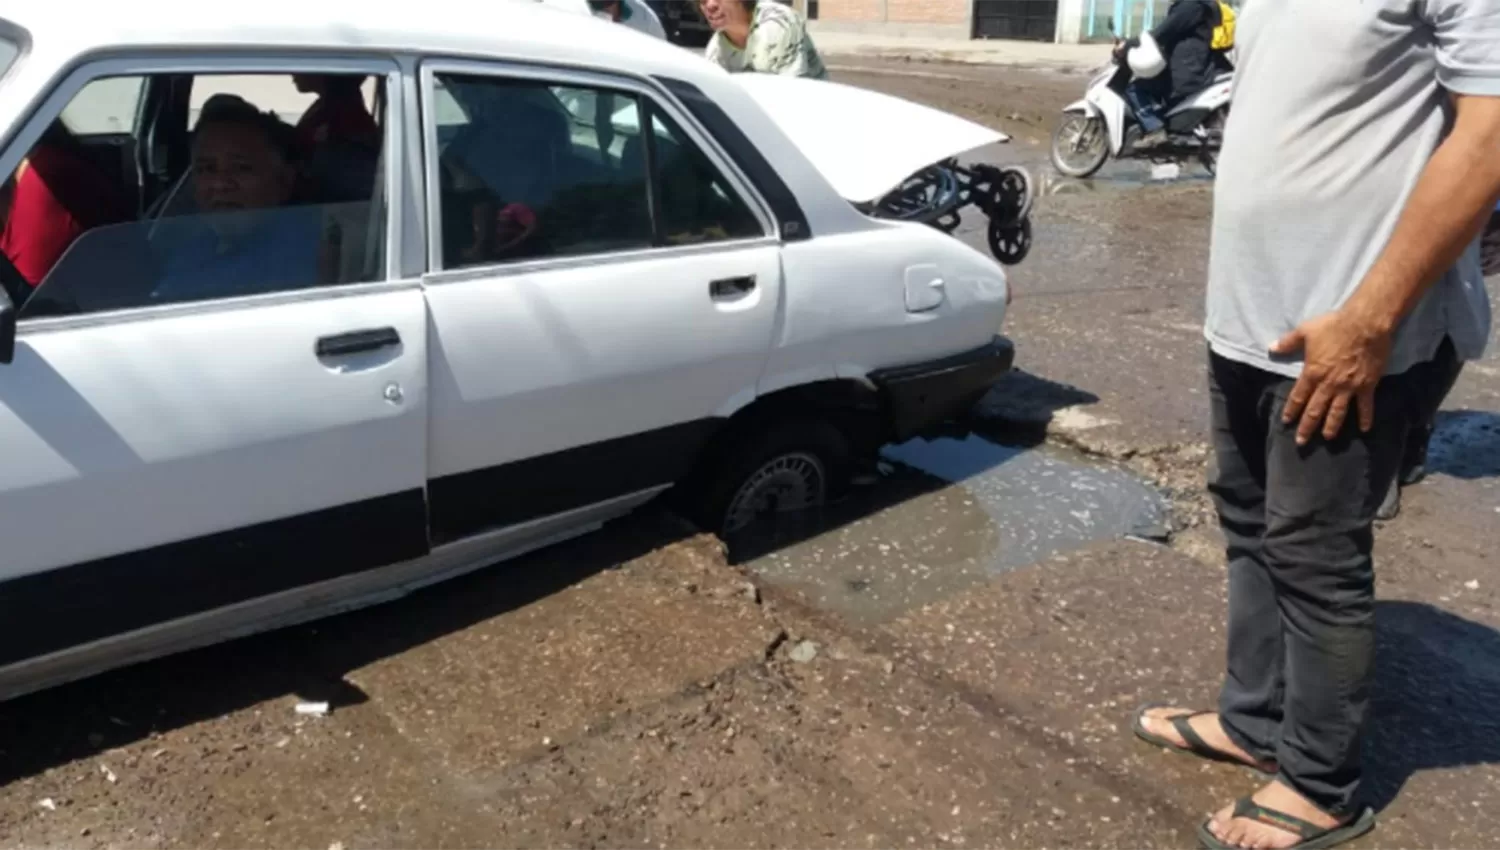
7, 328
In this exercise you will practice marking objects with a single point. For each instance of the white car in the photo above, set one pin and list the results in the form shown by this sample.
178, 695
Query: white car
525, 273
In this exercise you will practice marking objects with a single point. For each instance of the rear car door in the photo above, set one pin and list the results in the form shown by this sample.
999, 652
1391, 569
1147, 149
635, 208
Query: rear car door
603, 292
213, 407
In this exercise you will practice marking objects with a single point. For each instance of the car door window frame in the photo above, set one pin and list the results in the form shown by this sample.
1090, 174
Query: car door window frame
208, 63
649, 95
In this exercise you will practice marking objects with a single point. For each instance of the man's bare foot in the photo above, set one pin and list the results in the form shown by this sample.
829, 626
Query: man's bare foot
1248, 833
1158, 722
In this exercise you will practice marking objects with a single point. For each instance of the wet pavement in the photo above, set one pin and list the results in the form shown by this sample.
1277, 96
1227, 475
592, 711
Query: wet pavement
950, 514
947, 658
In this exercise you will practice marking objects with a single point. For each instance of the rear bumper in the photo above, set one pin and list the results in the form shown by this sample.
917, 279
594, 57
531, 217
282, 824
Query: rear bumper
921, 396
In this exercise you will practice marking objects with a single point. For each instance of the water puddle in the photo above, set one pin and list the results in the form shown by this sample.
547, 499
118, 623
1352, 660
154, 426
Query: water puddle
1129, 174
949, 514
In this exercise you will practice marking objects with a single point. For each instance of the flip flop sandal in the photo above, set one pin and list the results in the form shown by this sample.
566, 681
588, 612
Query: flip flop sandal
1313, 837
1196, 746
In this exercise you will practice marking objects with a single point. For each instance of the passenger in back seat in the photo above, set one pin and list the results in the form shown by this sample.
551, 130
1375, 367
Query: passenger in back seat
505, 167
338, 115
338, 139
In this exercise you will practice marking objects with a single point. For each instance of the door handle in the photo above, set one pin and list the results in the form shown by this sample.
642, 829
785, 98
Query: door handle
355, 342
729, 287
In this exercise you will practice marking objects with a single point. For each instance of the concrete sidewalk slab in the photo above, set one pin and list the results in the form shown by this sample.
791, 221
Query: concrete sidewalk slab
837, 44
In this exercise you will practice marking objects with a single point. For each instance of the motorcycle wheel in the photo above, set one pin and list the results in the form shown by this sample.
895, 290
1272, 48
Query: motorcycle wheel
1080, 145
1209, 154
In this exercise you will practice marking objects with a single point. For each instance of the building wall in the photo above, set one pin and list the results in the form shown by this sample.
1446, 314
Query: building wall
928, 11
940, 13
852, 11
1072, 21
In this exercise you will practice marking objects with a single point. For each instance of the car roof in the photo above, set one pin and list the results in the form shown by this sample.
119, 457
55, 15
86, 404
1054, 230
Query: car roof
528, 30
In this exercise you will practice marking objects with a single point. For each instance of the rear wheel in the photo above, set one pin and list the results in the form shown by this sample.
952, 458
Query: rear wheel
1080, 145
794, 465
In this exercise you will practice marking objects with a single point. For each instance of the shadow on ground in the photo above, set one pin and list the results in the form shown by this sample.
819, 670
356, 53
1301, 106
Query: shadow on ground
75, 721
1466, 444
1018, 409
1436, 691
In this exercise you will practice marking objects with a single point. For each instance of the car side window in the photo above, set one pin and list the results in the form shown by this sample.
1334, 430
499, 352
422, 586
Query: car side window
695, 202
529, 170
252, 184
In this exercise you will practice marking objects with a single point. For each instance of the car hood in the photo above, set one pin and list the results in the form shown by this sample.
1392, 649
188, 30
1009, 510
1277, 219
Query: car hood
866, 143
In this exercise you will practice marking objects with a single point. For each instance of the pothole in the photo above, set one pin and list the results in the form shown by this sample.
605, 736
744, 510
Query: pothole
949, 514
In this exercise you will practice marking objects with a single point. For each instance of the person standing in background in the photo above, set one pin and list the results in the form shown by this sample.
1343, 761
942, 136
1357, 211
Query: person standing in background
1359, 165
761, 36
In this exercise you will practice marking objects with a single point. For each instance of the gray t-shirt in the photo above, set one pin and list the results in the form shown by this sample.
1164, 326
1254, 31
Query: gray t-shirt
1338, 105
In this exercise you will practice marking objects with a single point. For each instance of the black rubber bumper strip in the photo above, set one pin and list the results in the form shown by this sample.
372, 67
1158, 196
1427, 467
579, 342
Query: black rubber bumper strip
926, 394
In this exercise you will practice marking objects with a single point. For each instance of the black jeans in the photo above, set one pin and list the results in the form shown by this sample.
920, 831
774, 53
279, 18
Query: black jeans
1299, 527
1445, 369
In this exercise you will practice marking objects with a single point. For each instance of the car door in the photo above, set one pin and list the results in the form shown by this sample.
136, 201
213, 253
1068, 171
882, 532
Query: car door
601, 295
177, 437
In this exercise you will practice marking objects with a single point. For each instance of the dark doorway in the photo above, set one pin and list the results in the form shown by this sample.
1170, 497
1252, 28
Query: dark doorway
1027, 20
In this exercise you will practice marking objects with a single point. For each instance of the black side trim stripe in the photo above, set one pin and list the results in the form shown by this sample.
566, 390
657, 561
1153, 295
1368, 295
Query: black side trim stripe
794, 226
61, 608
498, 496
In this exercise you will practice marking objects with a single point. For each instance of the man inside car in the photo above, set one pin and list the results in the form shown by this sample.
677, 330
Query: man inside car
244, 238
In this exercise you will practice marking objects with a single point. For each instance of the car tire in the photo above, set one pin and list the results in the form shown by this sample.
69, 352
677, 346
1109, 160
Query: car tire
791, 465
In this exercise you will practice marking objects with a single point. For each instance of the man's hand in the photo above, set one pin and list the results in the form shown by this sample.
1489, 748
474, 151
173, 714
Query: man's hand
1343, 360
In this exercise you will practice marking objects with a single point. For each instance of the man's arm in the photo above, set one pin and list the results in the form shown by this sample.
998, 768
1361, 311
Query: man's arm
1345, 352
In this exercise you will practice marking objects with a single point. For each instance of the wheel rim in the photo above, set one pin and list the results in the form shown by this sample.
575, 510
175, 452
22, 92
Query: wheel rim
786, 483
1080, 143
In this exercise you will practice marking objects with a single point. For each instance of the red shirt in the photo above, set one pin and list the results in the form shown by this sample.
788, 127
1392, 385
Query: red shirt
58, 197
342, 119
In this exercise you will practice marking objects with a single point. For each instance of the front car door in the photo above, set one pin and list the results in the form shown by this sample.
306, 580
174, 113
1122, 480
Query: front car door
217, 406
603, 292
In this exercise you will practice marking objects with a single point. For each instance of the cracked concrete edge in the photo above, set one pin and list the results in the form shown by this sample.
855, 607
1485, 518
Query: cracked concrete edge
957, 56
1190, 528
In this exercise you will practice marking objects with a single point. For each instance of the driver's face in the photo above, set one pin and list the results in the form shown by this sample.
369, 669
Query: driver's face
235, 167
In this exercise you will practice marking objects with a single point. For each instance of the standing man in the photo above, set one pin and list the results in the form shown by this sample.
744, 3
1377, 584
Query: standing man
1361, 159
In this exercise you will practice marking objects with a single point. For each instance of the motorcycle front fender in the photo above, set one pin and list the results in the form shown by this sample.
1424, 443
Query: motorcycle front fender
1105, 104
1082, 107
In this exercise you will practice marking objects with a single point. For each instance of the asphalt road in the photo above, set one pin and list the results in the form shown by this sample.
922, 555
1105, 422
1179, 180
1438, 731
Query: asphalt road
950, 659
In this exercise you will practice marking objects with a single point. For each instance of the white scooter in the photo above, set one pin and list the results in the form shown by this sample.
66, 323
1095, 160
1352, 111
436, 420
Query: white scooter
1103, 125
